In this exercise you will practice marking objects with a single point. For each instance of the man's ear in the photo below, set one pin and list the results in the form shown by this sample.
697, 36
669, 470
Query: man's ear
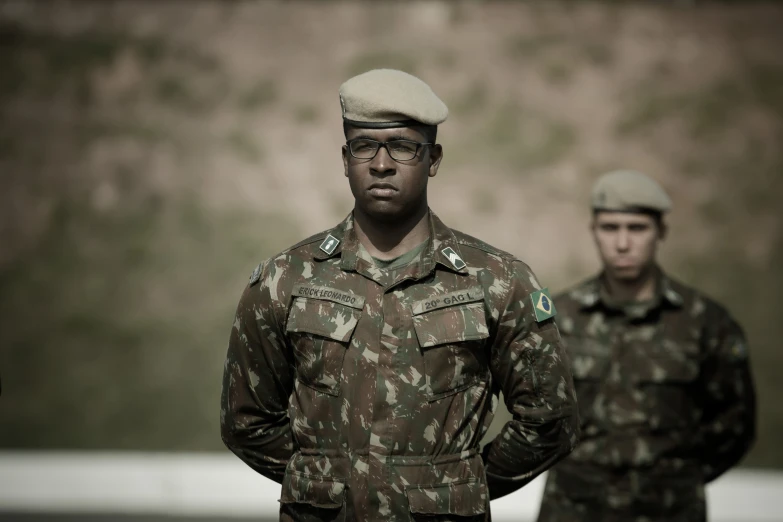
345, 160
436, 155
662, 230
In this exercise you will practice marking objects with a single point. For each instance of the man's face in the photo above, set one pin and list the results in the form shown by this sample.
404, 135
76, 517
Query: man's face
627, 242
387, 189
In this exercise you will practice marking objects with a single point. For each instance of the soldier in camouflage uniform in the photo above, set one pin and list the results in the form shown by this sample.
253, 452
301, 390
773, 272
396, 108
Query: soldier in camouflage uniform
665, 393
365, 362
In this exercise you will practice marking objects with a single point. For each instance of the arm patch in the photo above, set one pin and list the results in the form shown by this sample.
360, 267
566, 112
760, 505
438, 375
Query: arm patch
543, 305
256, 275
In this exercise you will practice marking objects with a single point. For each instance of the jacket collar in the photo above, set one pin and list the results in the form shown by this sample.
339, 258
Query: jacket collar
442, 248
592, 292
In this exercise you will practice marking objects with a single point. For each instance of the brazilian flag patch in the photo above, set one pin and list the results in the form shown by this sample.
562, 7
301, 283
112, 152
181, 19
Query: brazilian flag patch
543, 305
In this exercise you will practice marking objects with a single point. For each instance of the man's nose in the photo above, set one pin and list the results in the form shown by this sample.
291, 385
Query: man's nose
382, 163
623, 240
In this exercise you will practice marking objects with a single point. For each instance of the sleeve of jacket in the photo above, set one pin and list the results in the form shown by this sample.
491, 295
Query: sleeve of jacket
728, 426
531, 367
258, 380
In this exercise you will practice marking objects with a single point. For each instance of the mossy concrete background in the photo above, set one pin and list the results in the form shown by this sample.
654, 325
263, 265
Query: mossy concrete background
152, 153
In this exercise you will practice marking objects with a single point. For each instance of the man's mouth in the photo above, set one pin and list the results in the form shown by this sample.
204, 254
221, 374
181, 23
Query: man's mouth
382, 190
624, 263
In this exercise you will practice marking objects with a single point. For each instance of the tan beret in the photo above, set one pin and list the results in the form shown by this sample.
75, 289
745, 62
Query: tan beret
386, 98
629, 190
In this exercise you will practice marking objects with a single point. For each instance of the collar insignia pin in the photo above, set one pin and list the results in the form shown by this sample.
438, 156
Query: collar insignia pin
329, 244
453, 258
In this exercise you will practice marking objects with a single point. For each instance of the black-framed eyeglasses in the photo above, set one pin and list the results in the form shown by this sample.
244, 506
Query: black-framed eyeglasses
399, 150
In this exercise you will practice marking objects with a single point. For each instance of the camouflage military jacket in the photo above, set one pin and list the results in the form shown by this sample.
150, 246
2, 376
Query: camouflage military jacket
365, 392
666, 399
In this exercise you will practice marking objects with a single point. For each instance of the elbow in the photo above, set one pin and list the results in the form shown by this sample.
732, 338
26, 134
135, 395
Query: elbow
235, 439
566, 435
571, 435
563, 433
575, 430
747, 438
229, 431
750, 439
570, 429
227, 437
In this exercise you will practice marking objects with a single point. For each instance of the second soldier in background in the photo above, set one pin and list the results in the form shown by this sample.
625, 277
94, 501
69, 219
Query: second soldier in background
663, 383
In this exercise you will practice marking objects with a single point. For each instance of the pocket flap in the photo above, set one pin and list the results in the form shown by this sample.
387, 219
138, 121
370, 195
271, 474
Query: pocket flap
666, 361
661, 371
589, 358
580, 484
317, 491
464, 499
321, 317
587, 346
450, 325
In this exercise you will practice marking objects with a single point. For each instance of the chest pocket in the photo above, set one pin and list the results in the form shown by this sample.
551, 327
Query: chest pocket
590, 365
320, 325
665, 361
589, 358
665, 372
450, 329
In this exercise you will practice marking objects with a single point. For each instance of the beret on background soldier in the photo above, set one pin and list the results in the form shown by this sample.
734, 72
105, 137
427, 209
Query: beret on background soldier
386, 98
629, 191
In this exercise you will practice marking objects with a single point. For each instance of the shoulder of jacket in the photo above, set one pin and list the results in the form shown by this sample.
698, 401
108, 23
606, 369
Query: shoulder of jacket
577, 291
315, 238
694, 300
255, 276
292, 250
465, 240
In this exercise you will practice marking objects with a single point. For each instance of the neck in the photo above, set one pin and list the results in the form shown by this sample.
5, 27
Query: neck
633, 290
388, 240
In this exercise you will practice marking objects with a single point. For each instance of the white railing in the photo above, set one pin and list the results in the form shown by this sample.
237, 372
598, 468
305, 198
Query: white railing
220, 485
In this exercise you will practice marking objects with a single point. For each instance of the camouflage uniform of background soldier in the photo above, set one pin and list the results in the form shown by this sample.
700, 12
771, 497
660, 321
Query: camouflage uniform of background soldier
365, 362
665, 393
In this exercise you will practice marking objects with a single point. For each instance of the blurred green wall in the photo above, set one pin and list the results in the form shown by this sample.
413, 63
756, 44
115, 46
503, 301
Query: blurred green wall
151, 154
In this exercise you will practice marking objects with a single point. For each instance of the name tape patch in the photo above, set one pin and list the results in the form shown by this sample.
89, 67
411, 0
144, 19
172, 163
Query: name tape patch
329, 294
442, 301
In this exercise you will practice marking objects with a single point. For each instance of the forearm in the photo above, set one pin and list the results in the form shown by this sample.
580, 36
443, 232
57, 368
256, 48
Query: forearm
728, 424
726, 440
530, 366
257, 384
264, 446
526, 447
